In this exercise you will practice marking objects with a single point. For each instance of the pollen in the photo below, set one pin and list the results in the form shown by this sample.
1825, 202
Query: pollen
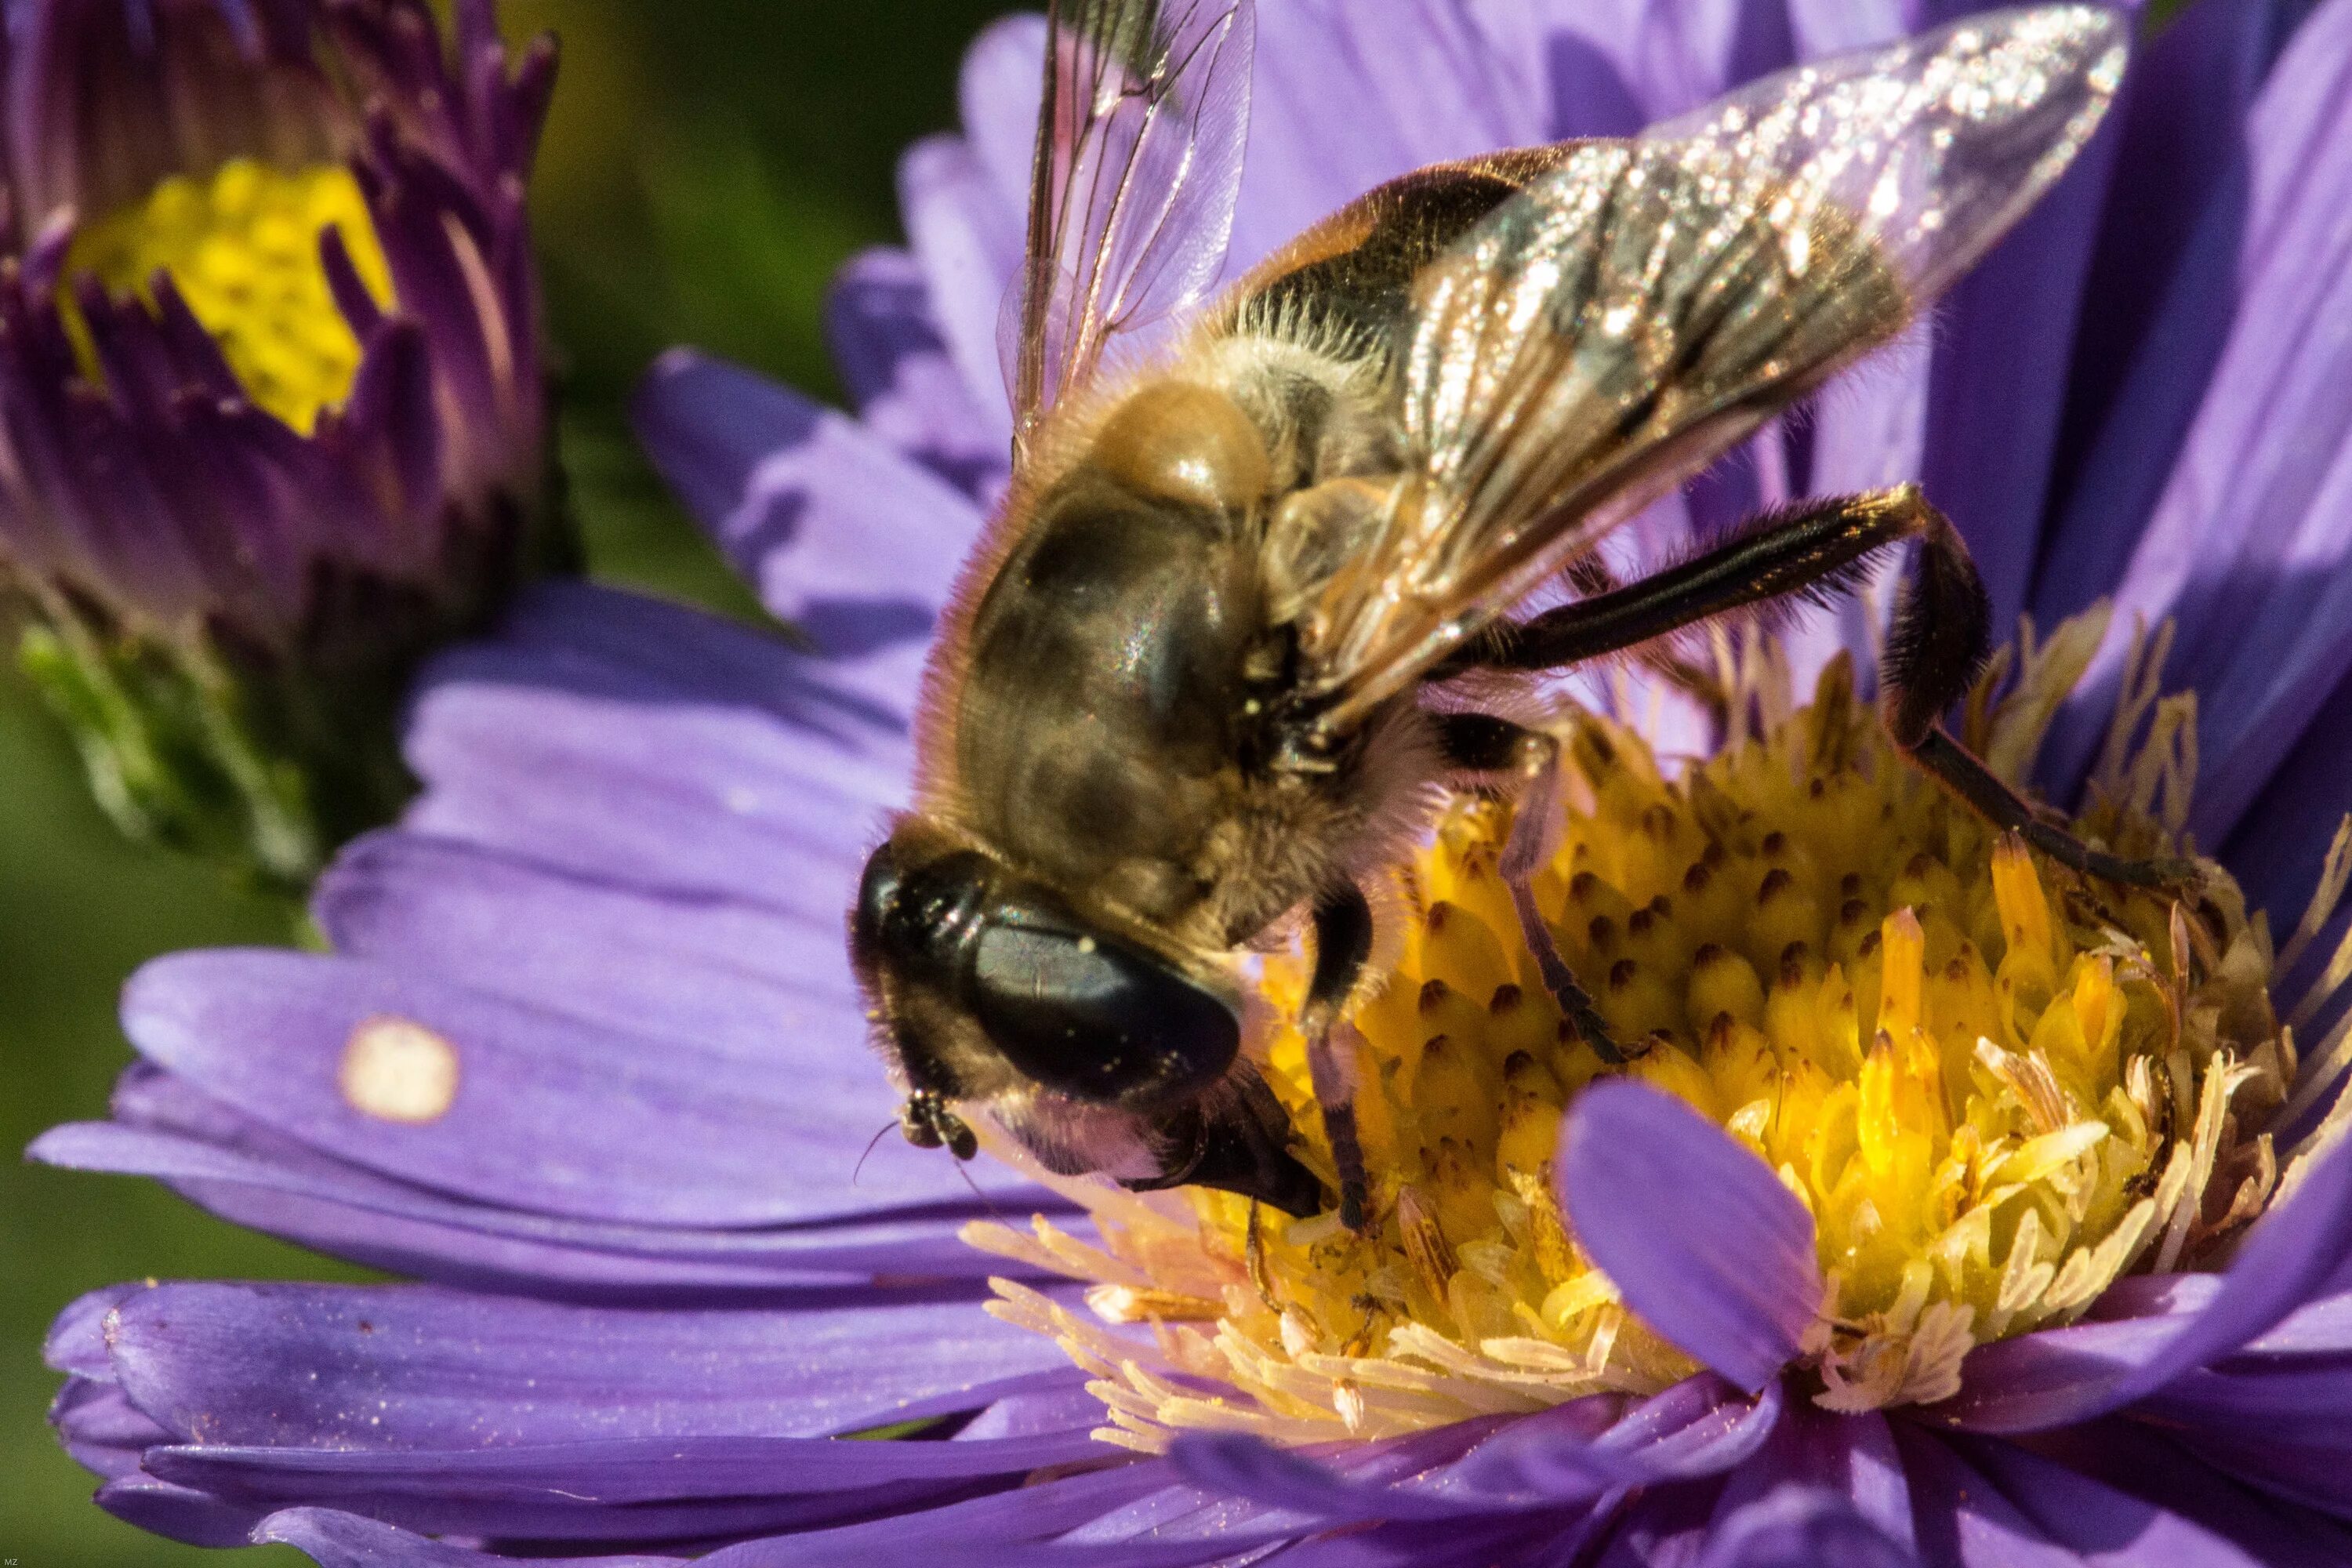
1997, 1086
242, 249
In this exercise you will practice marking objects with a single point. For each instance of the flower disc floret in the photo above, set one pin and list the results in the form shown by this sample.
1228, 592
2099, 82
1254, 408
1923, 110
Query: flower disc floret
1995, 1087
241, 247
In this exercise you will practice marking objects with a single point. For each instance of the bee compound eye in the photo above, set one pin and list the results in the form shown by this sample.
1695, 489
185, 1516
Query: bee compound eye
878, 893
1094, 1017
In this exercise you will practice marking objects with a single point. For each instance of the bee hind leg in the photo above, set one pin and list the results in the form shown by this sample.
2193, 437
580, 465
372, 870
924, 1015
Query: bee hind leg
1939, 642
1480, 742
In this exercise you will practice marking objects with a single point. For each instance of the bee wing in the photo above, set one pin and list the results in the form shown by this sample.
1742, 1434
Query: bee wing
1138, 163
1631, 316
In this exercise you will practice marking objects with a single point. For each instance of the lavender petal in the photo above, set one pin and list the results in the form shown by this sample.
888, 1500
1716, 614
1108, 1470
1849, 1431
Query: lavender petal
839, 533
2157, 1467
1696, 1232
905, 387
336, 1540
692, 756
1697, 1428
1802, 1527
410, 1368
547, 1114
2245, 518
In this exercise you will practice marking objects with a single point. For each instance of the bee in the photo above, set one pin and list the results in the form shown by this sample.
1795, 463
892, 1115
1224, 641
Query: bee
1219, 653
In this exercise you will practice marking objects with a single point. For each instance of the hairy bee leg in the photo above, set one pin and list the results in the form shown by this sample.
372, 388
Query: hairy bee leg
1815, 545
1480, 742
1343, 942
1941, 638
1979, 788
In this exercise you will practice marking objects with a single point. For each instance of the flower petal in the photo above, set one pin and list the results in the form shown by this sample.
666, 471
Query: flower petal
1812, 1453
1422, 83
2192, 1481
977, 1532
530, 1109
644, 1489
1996, 392
417, 1368
333, 1539
298, 1194
840, 534
1679, 54
2095, 1522
2142, 356
98, 1425
1697, 1233
1696, 1429
752, 981
1802, 1527
907, 391
2239, 547
2061, 1376
1231, 1464
577, 741
175, 1512
968, 238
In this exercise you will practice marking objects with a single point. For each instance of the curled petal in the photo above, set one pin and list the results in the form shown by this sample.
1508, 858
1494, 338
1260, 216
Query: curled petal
1697, 1233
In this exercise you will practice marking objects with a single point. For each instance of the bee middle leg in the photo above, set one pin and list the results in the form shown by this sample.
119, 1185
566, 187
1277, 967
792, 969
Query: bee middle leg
1480, 742
1343, 942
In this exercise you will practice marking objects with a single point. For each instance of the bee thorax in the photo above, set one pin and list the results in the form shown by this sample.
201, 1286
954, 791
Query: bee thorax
1182, 442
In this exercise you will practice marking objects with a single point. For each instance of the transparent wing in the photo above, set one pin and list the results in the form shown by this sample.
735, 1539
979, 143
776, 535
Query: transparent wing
1629, 317
1139, 160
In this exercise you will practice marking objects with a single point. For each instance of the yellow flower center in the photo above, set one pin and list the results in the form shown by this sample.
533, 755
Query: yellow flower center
1996, 1086
242, 247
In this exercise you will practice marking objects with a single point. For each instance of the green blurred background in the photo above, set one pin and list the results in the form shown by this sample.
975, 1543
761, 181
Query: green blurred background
708, 164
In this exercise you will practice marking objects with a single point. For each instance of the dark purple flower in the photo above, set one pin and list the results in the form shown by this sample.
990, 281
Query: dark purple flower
270, 393
584, 1058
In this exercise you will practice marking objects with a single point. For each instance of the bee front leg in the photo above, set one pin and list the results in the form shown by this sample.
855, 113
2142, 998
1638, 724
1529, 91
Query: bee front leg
1480, 742
1343, 940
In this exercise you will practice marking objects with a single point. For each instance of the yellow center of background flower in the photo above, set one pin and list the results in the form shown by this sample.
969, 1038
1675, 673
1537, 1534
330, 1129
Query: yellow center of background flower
1995, 1085
241, 247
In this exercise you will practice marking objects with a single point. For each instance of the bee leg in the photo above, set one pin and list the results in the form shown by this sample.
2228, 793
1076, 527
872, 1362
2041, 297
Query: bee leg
1941, 636
1814, 549
1343, 940
1480, 742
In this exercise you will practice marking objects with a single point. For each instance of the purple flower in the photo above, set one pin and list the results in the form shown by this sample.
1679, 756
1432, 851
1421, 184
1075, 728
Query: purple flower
585, 1055
270, 395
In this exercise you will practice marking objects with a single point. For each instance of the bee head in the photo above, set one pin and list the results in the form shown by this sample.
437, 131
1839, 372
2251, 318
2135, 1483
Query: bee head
985, 984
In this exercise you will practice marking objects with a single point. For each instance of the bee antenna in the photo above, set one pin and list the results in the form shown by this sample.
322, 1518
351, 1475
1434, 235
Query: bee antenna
871, 1144
963, 1170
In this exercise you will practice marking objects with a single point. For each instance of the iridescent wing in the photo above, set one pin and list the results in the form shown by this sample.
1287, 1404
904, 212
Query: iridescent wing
1629, 317
1139, 160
